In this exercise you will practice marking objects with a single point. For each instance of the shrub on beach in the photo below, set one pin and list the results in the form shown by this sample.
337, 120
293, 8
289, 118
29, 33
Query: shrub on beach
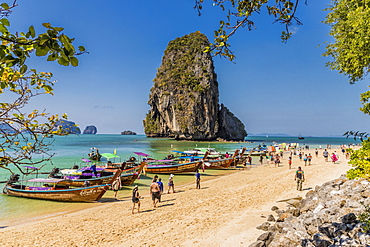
360, 160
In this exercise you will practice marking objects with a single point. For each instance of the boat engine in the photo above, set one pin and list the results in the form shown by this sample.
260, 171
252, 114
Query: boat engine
53, 172
13, 178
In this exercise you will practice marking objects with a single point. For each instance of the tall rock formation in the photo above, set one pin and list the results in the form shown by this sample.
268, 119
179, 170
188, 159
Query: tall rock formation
184, 98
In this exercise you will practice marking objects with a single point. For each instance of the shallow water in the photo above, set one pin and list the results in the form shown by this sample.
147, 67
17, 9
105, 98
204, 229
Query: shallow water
69, 150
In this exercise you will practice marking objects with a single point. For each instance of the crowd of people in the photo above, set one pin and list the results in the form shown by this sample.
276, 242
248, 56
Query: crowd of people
303, 155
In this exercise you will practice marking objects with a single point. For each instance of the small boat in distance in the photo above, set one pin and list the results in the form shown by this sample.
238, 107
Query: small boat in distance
94, 154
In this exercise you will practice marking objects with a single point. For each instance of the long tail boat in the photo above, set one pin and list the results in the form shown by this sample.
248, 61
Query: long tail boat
58, 192
83, 176
173, 166
128, 175
220, 163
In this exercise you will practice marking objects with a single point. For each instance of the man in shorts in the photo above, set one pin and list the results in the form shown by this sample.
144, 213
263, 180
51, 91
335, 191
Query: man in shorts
299, 177
155, 192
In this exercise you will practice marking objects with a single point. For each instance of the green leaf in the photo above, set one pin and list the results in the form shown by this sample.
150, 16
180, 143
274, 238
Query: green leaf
63, 61
47, 25
74, 61
31, 29
41, 51
52, 57
23, 69
5, 22
81, 48
5, 6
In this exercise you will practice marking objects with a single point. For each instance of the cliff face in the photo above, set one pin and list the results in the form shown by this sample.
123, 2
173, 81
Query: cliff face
184, 98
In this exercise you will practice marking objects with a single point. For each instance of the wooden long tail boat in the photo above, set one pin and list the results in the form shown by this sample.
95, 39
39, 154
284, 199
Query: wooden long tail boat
220, 163
172, 166
169, 168
60, 193
129, 175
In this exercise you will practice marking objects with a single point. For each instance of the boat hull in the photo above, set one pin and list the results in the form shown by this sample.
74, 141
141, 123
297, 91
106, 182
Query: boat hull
218, 164
87, 194
170, 169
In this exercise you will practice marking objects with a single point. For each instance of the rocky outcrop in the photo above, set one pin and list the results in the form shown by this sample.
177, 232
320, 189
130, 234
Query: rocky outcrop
230, 127
128, 132
327, 217
91, 129
68, 127
184, 100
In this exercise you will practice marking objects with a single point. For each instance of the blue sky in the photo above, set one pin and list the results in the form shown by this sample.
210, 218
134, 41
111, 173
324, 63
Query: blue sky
272, 87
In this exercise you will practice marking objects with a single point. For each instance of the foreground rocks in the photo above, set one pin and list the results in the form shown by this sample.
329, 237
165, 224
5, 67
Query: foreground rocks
326, 217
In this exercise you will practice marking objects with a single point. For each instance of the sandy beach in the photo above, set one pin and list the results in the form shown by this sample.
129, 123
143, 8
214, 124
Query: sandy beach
224, 212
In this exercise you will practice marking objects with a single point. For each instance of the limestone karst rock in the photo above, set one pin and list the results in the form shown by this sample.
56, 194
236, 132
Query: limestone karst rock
128, 132
68, 127
184, 100
91, 129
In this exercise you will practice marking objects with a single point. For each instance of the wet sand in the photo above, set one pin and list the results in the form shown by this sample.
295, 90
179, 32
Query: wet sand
224, 212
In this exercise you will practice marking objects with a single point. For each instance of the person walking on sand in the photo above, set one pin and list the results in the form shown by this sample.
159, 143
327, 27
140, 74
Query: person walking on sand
325, 154
171, 184
116, 185
136, 199
290, 162
305, 159
155, 192
309, 158
299, 177
334, 158
160, 184
197, 179
261, 159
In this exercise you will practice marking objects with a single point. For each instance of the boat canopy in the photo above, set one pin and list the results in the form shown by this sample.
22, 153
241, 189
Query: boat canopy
109, 156
31, 167
141, 154
45, 180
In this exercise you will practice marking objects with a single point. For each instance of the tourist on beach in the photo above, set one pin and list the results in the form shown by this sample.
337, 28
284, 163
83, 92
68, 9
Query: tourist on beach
171, 184
249, 159
325, 154
317, 153
299, 177
155, 192
160, 184
261, 159
334, 158
116, 185
197, 179
277, 160
305, 159
290, 162
136, 199
309, 158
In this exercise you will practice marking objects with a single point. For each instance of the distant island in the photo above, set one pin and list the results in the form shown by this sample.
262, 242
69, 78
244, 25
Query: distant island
128, 132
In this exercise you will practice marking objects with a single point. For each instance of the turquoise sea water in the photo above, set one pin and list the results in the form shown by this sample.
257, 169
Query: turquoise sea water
69, 150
